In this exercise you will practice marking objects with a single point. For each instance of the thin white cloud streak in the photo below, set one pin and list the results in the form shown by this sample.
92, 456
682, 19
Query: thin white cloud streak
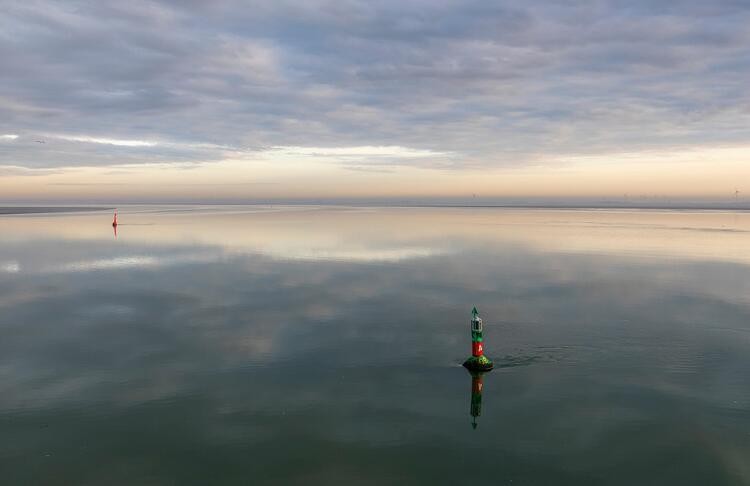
8, 137
394, 151
106, 141
10, 267
276, 152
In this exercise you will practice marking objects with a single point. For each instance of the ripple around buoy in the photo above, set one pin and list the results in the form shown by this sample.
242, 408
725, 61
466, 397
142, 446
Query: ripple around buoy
514, 361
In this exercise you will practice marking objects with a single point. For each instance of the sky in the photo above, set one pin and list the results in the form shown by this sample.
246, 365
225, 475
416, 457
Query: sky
229, 101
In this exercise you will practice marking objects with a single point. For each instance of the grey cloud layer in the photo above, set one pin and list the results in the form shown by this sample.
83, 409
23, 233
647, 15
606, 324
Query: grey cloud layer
497, 82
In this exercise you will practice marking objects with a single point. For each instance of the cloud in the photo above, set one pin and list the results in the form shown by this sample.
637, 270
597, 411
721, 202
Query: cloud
376, 159
10, 267
109, 141
492, 84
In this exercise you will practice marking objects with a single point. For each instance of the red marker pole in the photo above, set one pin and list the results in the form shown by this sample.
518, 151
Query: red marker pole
114, 221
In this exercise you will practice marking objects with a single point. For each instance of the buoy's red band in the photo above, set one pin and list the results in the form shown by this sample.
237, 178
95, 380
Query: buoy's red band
477, 349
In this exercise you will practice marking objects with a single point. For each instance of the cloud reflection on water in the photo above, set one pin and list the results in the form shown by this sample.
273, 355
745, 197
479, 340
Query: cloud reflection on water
232, 346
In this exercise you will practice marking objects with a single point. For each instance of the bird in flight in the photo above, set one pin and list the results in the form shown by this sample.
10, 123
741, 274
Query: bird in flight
40, 141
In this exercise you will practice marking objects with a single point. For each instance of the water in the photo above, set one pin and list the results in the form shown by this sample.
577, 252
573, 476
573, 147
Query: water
301, 345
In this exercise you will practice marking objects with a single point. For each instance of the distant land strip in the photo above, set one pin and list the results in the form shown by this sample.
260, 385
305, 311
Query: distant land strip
675, 207
47, 209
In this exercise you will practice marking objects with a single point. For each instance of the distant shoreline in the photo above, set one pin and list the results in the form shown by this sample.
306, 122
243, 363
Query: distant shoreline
7, 210
18, 210
573, 206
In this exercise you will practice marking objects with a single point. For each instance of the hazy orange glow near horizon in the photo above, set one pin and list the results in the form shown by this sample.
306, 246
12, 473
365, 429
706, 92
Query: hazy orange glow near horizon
698, 173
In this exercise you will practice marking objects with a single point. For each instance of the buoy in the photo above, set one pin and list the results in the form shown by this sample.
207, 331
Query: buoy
114, 221
478, 361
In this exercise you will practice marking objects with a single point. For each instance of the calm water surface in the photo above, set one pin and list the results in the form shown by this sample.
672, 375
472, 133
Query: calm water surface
301, 345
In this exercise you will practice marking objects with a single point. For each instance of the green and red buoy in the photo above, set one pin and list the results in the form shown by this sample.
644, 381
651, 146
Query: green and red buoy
478, 361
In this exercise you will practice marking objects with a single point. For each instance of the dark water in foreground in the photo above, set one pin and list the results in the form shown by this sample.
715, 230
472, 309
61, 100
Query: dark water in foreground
323, 346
